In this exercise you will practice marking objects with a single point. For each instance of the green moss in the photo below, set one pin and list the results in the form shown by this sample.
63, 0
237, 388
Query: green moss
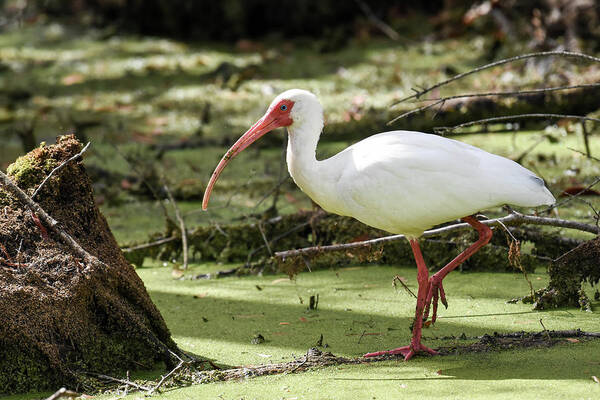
23, 369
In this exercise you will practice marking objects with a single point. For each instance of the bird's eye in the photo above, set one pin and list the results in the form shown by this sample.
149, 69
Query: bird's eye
283, 107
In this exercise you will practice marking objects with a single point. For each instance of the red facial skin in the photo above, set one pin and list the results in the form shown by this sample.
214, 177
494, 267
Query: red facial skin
273, 119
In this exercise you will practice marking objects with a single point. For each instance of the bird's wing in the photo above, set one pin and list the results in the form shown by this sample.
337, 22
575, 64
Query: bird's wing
406, 182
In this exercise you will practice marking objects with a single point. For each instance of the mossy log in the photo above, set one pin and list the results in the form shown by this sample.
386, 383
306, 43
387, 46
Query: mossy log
567, 275
57, 323
243, 242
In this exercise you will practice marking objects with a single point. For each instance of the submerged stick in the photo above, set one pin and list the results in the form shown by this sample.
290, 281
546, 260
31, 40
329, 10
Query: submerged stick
511, 220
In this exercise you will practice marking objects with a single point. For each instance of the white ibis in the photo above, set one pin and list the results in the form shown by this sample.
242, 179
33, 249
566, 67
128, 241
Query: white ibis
401, 182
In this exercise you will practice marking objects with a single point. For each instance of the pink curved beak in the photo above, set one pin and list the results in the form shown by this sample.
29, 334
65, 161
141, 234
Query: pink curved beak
264, 125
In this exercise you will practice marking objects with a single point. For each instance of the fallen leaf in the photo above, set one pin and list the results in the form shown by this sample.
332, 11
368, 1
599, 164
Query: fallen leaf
276, 281
572, 340
439, 372
200, 296
125, 184
72, 79
302, 319
177, 273
284, 323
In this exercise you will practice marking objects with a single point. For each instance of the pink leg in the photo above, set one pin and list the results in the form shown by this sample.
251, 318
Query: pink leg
436, 289
415, 344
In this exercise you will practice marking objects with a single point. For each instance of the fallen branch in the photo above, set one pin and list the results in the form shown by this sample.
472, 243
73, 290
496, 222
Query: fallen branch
512, 219
442, 100
51, 222
443, 129
123, 381
567, 54
61, 166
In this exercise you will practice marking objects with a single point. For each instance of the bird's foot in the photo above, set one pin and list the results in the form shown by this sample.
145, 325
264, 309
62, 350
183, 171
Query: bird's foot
435, 293
407, 351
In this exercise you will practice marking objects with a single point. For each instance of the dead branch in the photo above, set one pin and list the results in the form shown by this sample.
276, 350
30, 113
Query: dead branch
150, 244
584, 131
165, 377
123, 381
567, 54
528, 92
63, 392
573, 197
182, 228
61, 166
512, 219
443, 129
51, 222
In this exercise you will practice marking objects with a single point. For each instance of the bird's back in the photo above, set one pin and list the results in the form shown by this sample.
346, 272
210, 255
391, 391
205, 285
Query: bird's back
406, 182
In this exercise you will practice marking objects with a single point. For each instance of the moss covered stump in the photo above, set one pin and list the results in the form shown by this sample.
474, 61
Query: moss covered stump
58, 324
567, 275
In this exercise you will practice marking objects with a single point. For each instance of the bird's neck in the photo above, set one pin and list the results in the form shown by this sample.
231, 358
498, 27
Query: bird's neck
301, 153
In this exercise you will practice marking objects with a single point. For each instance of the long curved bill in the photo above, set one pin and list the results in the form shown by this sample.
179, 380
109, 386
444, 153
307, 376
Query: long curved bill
264, 125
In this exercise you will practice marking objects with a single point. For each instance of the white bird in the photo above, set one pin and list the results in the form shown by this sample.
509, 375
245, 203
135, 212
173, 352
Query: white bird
401, 182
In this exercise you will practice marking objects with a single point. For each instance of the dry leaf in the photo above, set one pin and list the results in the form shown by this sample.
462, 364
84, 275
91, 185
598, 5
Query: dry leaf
177, 273
276, 281
572, 340
284, 323
72, 79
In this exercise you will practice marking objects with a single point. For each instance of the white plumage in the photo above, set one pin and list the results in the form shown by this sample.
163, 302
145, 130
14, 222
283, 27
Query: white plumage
402, 181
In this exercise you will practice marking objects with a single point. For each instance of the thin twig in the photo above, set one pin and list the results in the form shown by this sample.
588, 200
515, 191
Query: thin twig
61, 166
398, 279
442, 129
377, 22
264, 237
302, 363
51, 222
150, 244
513, 219
165, 377
182, 228
572, 197
584, 131
527, 92
123, 381
545, 330
421, 92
